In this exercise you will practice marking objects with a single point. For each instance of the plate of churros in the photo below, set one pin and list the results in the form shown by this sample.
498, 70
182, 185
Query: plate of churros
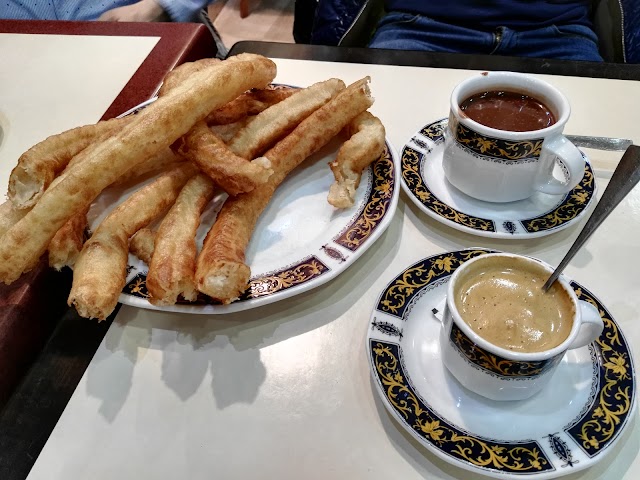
225, 193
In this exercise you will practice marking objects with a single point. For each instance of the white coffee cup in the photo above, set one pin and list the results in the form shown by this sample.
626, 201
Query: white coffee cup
503, 166
498, 373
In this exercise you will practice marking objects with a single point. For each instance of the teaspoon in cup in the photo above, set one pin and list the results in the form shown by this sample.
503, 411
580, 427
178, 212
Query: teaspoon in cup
624, 178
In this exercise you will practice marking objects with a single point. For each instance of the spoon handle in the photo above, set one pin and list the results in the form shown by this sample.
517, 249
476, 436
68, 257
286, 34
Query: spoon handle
624, 178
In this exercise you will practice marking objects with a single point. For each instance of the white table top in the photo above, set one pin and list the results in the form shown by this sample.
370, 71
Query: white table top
67, 81
284, 391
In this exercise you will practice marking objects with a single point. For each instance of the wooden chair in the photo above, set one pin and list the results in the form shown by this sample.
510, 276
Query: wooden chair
244, 8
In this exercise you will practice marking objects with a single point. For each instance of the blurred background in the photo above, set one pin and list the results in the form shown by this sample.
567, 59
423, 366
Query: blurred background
267, 20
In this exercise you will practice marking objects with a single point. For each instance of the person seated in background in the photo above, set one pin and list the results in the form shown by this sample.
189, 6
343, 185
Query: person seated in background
534, 28
562, 29
104, 10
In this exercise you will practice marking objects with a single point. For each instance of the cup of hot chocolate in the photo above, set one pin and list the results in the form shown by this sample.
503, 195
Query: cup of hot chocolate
504, 138
502, 337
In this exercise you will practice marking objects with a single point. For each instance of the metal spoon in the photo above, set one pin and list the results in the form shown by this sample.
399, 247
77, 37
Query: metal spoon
600, 143
624, 178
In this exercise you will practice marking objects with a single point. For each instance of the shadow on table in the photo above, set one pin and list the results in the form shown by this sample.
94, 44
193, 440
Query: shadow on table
617, 462
191, 346
110, 372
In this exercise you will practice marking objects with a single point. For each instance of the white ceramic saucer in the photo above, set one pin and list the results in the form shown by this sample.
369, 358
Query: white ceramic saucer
541, 214
569, 426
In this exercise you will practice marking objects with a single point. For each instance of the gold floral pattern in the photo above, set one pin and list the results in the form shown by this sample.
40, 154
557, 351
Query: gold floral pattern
565, 212
138, 286
614, 402
495, 147
507, 457
396, 298
287, 278
377, 204
434, 131
573, 205
411, 161
269, 284
495, 365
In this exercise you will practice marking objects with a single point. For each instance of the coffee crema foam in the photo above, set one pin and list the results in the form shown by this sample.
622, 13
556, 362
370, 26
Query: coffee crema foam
501, 299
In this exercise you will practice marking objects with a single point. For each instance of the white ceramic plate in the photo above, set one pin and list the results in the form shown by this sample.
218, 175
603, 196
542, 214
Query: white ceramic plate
539, 215
300, 241
569, 426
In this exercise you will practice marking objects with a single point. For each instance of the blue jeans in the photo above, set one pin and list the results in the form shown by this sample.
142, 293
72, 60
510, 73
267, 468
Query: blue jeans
403, 31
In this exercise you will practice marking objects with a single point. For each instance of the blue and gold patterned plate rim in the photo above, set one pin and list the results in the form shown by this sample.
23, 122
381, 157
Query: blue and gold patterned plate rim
566, 449
316, 267
429, 141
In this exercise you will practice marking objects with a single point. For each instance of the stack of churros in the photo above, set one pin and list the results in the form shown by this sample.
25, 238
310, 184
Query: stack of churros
216, 126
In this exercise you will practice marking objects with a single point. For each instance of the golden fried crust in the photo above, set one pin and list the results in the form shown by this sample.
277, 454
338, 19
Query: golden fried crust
226, 132
38, 166
249, 103
154, 128
142, 244
173, 263
233, 174
179, 74
9, 216
365, 145
100, 270
221, 272
274, 123
164, 160
316, 130
95, 289
67, 243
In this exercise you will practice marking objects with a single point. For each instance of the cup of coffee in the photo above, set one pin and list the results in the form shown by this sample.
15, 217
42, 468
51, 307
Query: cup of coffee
504, 138
502, 337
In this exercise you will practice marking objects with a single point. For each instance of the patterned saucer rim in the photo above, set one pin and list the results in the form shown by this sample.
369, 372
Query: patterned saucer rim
571, 208
594, 433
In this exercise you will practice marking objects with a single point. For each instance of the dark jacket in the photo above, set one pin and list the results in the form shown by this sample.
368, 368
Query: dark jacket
632, 30
352, 22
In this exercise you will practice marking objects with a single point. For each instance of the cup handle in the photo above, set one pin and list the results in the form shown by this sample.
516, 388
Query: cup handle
569, 154
591, 326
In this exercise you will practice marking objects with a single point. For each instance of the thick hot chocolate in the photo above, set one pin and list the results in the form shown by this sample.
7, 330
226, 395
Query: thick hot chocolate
510, 111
